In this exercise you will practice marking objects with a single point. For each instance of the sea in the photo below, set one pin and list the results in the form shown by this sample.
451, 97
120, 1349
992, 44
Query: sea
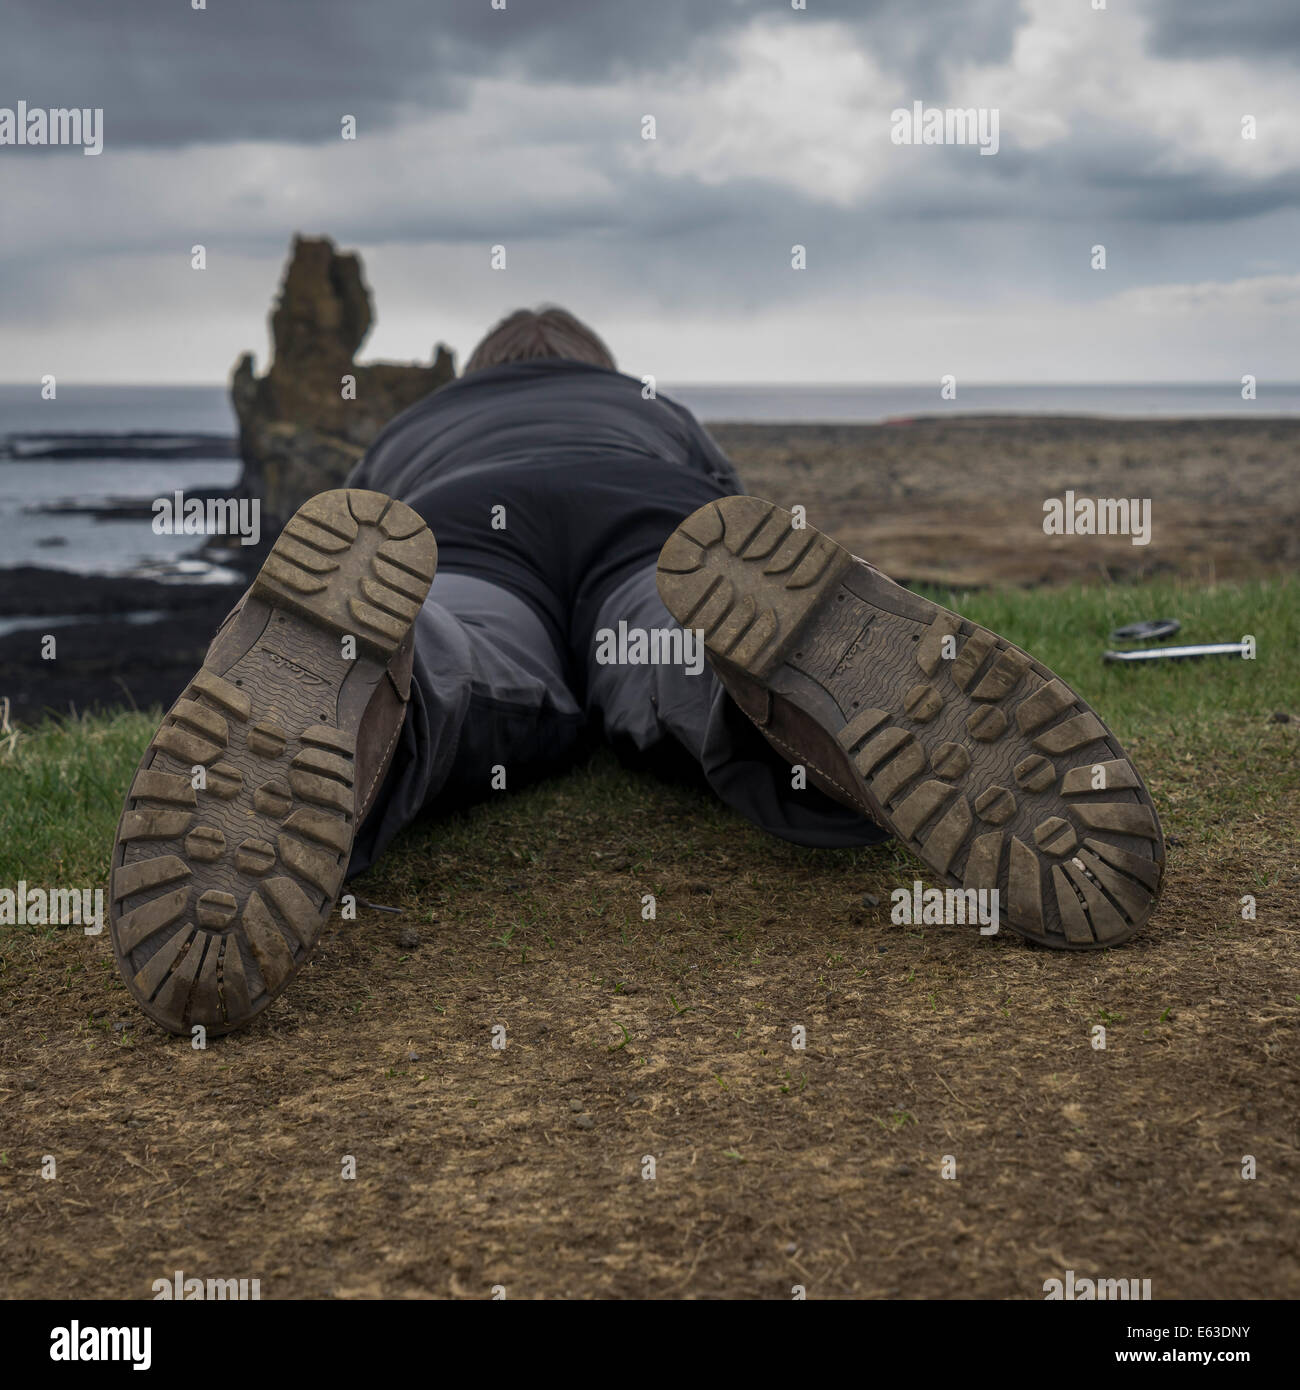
60, 453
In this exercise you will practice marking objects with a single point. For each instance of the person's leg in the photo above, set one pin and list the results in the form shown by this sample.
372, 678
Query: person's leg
489, 708
981, 761
266, 781
239, 822
650, 707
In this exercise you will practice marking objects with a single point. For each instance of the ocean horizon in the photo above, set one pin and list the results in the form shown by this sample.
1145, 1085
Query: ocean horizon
112, 409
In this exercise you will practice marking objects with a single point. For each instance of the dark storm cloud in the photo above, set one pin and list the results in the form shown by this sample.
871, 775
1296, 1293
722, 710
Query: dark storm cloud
1098, 171
1258, 29
168, 75
1138, 186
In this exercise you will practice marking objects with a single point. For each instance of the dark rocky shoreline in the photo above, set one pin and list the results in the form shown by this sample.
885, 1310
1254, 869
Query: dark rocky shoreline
128, 508
120, 639
27, 447
300, 432
105, 659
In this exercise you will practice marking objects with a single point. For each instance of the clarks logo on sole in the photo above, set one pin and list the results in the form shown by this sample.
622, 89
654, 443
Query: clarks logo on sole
299, 673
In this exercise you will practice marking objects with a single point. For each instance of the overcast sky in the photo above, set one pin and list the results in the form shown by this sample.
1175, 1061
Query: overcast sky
523, 126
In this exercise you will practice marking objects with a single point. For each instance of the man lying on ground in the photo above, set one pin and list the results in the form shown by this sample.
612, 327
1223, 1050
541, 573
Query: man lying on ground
587, 538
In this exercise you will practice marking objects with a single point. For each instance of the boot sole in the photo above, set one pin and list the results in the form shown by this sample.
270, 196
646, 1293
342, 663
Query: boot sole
220, 892
977, 757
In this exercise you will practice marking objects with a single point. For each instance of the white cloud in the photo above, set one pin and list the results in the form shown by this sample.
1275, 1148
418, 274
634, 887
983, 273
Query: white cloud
1074, 69
1252, 296
799, 104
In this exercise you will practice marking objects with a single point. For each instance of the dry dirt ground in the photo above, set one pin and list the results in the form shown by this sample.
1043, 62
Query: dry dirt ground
960, 500
648, 1129
629, 1040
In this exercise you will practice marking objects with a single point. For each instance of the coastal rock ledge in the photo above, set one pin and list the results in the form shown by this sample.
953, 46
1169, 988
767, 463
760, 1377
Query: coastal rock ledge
299, 430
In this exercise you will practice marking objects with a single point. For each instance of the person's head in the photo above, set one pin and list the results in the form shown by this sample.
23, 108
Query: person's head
531, 333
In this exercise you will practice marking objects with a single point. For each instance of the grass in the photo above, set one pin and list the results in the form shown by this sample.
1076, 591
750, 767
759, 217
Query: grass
62, 785
1201, 731
1068, 629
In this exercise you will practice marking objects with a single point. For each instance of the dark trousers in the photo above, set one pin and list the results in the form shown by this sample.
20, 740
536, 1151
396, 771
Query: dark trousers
551, 486
496, 702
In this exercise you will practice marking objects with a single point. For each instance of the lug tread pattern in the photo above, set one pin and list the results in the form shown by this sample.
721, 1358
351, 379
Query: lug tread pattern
738, 570
355, 561
1009, 748
223, 881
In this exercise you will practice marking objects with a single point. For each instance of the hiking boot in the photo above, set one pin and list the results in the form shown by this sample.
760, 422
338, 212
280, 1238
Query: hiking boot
239, 823
982, 762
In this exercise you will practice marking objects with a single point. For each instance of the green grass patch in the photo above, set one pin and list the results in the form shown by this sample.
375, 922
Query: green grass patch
1068, 629
1201, 731
62, 785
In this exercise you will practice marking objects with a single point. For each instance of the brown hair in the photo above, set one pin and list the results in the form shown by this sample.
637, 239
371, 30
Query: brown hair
531, 333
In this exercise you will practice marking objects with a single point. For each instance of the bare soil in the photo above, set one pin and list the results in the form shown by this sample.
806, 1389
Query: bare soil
959, 501
629, 1040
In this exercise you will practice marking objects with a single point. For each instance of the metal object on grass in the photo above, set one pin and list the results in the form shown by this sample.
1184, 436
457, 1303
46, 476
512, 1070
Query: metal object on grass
1151, 630
1178, 653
